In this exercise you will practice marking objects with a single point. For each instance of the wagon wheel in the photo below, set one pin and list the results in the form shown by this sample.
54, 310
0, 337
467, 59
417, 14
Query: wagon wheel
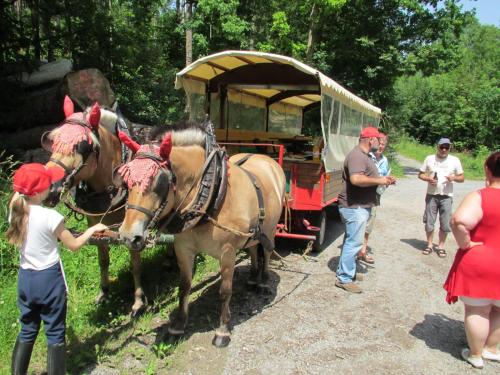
320, 237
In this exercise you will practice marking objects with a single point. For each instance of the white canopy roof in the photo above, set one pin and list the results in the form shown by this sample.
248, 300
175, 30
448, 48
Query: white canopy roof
210, 67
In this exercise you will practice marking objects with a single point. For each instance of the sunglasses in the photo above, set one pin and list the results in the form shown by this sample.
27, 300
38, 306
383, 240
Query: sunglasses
444, 147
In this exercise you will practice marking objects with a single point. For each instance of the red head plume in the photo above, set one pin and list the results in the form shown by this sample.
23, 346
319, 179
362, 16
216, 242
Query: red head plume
166, 146
95, 116
69, 107
127, 141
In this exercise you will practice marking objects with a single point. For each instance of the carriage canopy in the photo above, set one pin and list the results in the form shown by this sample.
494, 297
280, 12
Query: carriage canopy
267, 94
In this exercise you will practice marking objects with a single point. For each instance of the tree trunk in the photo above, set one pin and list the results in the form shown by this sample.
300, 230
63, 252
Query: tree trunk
35, 26
189, 32
312, 30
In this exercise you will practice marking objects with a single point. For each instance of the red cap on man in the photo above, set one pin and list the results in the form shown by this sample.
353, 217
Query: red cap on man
369, 132
34, 178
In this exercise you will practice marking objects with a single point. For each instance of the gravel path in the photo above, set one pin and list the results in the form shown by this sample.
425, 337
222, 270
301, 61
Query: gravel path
400, 324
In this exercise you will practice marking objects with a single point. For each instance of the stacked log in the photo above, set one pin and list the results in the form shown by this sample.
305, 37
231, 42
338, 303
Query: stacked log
32, 104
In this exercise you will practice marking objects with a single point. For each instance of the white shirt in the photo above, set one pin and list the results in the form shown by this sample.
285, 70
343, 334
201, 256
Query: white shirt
40, 250
443, 167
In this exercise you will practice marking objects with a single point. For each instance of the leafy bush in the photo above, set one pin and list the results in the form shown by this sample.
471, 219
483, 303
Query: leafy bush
8, 253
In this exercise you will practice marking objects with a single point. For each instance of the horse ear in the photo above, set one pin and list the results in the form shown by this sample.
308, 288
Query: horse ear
166, 146
69, 107
95, 116
127, 141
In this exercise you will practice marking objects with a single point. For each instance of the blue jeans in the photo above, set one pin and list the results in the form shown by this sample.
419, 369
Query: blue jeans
355, 220
42, 297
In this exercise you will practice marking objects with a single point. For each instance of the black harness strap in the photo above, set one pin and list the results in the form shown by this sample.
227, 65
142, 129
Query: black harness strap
257, 230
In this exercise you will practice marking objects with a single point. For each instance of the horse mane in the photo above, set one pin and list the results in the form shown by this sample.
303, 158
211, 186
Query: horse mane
184, 133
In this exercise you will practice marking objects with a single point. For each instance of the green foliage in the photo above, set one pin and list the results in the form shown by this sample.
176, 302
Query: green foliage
462, 103
471, 163
8, 253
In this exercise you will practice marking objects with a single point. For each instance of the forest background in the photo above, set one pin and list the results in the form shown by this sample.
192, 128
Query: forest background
429, 64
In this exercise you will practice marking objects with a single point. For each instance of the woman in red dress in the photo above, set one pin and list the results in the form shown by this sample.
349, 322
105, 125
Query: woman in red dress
475, 274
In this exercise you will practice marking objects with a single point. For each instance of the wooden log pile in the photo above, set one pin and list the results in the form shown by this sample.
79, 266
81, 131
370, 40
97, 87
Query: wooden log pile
31, 104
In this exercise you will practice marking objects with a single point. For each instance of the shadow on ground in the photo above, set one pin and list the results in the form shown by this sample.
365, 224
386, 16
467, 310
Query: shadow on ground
442, 333
118, 329
415, 243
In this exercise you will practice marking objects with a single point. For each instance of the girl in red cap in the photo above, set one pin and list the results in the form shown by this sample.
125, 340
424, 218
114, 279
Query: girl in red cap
41, 283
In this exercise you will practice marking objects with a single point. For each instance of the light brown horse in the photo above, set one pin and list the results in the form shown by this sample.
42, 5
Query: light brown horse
173, 188
86, 145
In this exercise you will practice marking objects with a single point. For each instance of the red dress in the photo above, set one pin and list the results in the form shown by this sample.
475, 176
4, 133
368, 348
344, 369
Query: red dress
475, 273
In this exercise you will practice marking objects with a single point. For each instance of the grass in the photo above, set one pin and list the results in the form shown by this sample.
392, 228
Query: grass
471, 163
105, 333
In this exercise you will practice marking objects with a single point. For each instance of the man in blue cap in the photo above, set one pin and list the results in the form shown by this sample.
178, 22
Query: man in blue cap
440, 171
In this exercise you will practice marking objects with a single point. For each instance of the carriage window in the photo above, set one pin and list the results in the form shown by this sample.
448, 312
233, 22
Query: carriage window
334, 125
215, 110
285, 118
197, 107
196, 100
246, 112
326, 112
351, 122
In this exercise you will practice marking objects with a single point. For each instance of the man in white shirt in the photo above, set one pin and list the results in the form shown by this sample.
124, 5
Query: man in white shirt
440, 171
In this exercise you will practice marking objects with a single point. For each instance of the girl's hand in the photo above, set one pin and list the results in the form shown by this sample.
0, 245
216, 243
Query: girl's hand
99, 227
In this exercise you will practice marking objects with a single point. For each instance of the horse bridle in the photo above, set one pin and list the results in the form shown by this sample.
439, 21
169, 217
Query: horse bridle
154, 216
71, 173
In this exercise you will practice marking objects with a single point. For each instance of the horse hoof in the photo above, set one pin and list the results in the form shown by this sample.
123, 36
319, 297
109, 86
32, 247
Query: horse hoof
221, 341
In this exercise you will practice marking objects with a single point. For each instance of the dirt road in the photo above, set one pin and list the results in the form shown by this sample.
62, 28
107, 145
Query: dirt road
400, 324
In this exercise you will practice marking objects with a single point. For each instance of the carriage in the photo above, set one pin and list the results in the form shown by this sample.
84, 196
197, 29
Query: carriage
259, 102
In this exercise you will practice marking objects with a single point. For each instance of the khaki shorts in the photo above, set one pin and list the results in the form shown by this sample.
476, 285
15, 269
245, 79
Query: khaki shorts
371, 220
435, 204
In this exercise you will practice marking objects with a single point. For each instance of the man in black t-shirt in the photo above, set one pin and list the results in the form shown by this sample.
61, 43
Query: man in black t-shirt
359, 194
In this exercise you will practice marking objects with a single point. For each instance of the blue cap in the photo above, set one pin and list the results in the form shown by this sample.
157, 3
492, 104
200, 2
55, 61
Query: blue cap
444, 141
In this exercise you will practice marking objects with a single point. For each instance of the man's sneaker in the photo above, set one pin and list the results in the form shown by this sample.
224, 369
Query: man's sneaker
348, 287
476, 362
491, 356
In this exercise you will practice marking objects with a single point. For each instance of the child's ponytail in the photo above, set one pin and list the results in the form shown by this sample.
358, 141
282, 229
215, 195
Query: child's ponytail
18, 225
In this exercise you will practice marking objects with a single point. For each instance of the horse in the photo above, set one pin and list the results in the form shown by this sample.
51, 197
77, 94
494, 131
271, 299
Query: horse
237, 208
87, 147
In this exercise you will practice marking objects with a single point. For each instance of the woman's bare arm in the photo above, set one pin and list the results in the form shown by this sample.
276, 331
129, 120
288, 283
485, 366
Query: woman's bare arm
465, 218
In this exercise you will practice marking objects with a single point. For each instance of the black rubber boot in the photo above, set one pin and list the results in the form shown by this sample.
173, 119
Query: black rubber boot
21, 357
56, 359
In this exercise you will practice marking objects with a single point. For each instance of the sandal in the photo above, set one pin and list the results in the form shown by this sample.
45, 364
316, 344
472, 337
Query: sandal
367, 259
427, 250
441, 253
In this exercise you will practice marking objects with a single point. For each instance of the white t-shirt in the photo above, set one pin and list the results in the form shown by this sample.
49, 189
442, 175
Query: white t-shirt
40, 250
443, 167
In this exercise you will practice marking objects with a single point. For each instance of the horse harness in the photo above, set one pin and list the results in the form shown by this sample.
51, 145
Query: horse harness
208, 199
88, 202
258, 234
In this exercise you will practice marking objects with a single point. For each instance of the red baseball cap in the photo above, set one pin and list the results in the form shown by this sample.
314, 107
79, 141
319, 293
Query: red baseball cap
369, 132
34, 178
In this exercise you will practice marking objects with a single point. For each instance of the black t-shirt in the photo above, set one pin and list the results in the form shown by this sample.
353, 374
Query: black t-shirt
352, 196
